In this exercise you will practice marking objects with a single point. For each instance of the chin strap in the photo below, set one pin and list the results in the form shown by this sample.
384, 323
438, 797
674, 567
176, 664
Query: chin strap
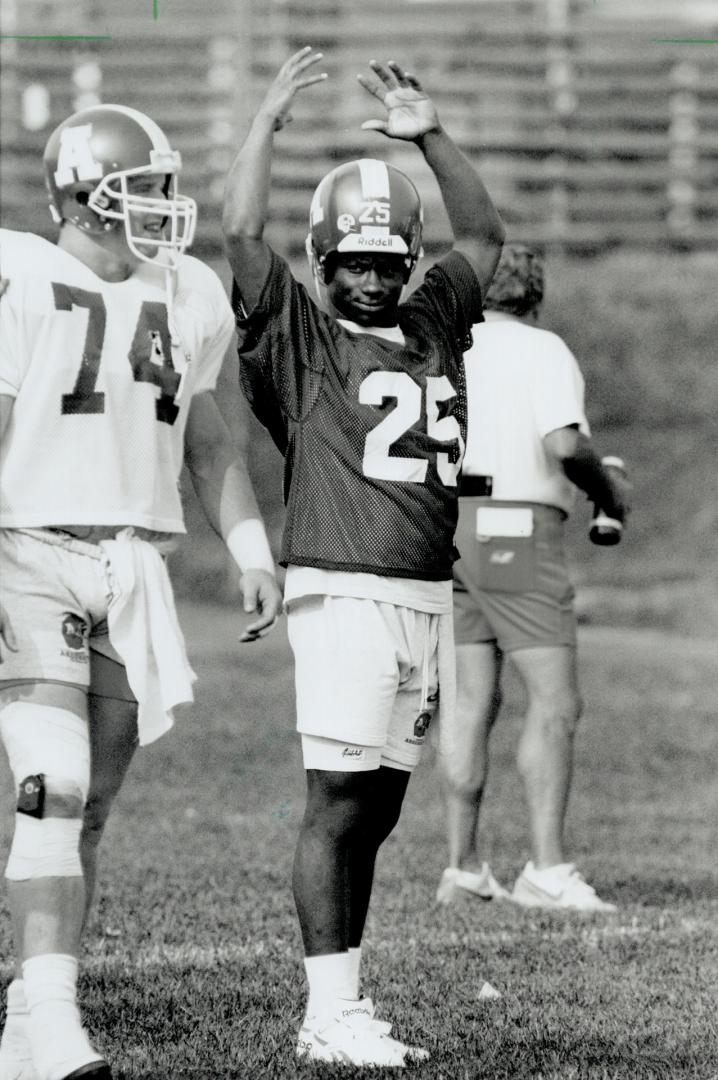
178, 349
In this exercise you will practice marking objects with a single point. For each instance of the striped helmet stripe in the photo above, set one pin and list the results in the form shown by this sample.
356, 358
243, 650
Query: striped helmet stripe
374, 179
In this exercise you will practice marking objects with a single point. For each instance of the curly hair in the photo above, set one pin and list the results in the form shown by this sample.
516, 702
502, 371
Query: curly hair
518, 284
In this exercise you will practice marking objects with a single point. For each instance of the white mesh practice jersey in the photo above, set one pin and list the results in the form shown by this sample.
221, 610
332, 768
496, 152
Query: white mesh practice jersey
96, 431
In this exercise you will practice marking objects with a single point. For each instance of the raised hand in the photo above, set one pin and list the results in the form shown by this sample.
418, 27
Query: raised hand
290, 78
410, 111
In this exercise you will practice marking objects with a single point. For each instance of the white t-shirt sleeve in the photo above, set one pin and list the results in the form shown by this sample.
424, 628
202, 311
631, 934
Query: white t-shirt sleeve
217, 339
558, 397
14, 353
11, 372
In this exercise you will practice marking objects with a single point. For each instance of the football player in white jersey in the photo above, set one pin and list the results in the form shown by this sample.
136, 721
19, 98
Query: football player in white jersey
111, 343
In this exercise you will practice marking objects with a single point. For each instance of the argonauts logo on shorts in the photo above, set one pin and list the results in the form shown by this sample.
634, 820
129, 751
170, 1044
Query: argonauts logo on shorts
75, 632
421, 724
423, 720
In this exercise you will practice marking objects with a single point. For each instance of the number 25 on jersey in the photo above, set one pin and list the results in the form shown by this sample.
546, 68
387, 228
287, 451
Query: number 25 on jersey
378, 463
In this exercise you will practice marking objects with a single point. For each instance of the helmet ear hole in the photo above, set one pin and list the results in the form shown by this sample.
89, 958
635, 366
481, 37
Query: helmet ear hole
328, 267
82, 197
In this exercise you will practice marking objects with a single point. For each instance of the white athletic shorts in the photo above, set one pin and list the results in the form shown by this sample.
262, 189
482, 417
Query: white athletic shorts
366, 677
55, 591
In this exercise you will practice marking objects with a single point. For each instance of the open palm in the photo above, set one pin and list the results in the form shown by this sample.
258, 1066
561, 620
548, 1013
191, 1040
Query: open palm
410, 112
292, 77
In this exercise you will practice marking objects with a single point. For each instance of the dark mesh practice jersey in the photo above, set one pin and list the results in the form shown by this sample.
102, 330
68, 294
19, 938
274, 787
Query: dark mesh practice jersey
372, 431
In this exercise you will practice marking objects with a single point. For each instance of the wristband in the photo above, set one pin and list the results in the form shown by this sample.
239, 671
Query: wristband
249, 546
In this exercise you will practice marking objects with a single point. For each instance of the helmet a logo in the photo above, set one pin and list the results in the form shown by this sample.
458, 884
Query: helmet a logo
346, 222
75, 161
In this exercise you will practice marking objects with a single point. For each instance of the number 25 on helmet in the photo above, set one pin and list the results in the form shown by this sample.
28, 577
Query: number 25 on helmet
364, 206
88, 162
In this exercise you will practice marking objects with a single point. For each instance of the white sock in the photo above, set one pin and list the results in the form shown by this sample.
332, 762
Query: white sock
355, 957
15, 1041
329, 977
59, 1045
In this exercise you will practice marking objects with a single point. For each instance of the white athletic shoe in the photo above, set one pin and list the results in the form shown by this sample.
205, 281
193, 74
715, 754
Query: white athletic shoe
558, 886
350, 1035
15, 1053
15, 1060
455, 882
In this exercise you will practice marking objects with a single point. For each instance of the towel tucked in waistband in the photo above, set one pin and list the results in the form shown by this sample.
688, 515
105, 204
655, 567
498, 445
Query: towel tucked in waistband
144, 629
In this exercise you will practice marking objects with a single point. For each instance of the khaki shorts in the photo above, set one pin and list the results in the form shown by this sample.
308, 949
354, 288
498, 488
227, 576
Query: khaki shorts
55, 590
513, 590
366, 677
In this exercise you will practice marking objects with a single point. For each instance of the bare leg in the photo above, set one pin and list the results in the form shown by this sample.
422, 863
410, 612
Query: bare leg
47, 909
46, 912
336, 848
477, 705
545, 753
386, 800
113, 740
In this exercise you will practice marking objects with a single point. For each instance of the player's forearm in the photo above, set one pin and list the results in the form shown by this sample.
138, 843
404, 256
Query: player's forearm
246, 197
584, 469
469, 206
219, 474
226, 494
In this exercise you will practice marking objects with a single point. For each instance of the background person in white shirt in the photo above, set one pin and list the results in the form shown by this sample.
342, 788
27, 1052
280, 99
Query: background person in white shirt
528, 448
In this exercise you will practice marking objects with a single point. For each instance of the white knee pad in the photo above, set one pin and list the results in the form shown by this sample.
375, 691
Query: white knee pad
44, 741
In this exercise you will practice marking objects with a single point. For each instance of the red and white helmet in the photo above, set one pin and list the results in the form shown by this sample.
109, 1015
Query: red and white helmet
366, 206
88, 160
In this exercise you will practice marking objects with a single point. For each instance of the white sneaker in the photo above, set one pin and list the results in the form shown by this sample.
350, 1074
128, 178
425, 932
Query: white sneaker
15, 1059
558, 886
454, 882
350, 1035
15, 1053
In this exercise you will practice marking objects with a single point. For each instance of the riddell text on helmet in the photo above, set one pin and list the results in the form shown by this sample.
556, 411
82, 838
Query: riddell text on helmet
375, 241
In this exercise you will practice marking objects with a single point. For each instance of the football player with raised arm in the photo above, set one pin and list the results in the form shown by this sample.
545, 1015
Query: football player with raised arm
365, 397
112, 340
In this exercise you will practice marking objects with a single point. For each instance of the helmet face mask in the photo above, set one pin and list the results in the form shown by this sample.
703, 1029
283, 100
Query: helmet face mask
113, 200
90, 161
368, 207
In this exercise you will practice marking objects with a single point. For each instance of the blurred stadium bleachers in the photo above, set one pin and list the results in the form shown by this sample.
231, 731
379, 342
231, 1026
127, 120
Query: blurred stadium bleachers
590, 131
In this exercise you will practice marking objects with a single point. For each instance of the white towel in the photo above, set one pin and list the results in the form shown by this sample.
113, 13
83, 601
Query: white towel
144, 629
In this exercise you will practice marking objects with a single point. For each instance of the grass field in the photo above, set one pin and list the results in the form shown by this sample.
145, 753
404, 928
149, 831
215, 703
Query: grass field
192, 965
